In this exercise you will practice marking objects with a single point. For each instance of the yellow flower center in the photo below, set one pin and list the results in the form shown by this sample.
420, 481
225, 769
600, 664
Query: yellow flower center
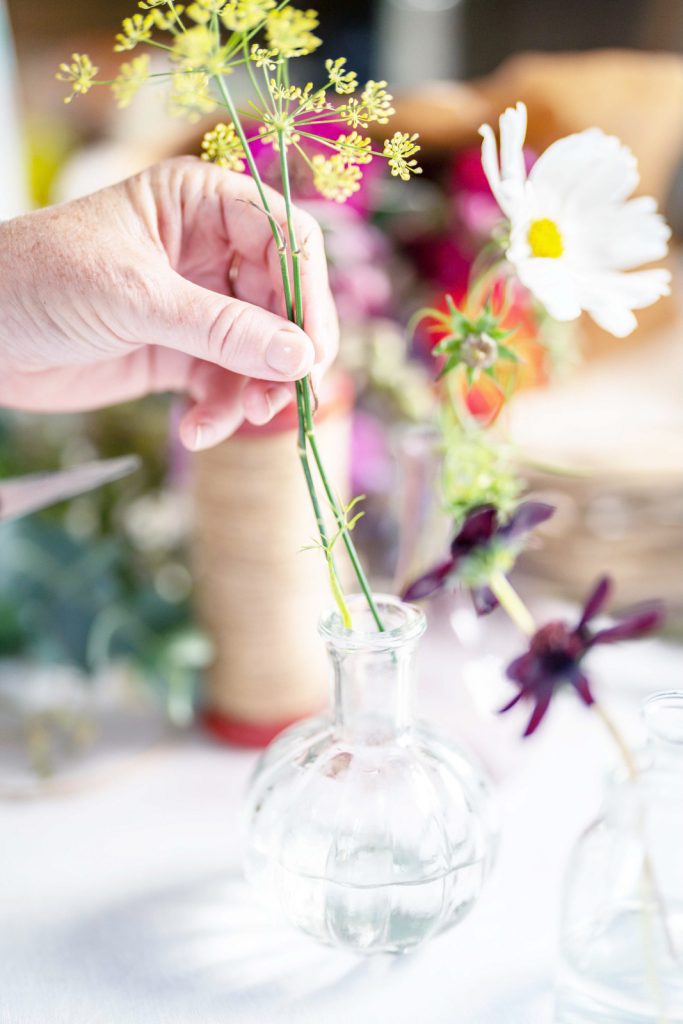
545, 239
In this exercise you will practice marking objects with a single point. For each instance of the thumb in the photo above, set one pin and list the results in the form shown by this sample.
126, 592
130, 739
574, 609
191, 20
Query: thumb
236, 335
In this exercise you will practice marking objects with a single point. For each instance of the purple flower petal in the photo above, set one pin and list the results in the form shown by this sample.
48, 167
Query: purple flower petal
526, 516
479, 527
430, 583
639, 624
521, 668
542, 704
484, 600
595, 601
582, 687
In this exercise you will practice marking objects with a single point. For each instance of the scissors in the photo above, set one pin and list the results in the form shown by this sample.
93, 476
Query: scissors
25, 494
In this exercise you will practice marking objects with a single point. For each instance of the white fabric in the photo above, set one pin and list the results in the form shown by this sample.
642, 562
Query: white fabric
123, 904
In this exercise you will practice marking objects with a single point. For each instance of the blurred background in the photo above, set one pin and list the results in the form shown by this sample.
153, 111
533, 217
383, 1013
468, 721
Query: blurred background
106, 580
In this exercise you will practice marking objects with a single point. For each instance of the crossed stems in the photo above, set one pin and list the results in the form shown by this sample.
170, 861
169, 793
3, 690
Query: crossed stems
307, 440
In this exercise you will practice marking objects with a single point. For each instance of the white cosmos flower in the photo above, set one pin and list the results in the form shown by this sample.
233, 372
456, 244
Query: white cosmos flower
573, 230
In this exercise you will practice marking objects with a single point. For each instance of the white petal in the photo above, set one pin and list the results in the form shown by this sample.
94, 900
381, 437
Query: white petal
621, 237
586, 169
552, 283
616, 320
610, 297
507, 178
513, 123
489, 163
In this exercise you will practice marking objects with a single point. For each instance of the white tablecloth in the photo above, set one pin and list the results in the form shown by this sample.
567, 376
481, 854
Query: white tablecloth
124, 904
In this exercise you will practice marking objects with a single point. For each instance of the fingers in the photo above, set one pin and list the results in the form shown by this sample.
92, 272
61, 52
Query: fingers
220, 401
220, 212
262, 401
230, 333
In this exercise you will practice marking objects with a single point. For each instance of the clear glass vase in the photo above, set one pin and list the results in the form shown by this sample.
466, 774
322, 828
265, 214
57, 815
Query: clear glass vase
367, 830
622, 930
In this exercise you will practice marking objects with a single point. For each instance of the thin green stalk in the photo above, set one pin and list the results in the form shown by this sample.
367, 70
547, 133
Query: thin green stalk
301, 386
511, 602
308, 413
261, 191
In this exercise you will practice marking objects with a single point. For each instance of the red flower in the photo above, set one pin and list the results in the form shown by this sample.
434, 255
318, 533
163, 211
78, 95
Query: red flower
556, 653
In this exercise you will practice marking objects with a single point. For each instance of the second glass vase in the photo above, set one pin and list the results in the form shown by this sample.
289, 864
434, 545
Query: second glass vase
366, 829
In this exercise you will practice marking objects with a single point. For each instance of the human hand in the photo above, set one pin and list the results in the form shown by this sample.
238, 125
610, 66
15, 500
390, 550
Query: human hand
169, 281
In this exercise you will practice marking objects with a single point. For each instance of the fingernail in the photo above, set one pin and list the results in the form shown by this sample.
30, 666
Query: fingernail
290, 354
204, 436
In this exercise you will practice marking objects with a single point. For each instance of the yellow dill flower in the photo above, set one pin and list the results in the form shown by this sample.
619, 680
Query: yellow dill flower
274, 124
312, 101
195, 48
243, 15
377, 102
343, 81
167, 21
201, 10
150, 4
263, 58
137, 29
335, 178
354, 114
80, 74
289, 31
223, 147
355, 148
399, 150
306, 99
130, 79
190, 96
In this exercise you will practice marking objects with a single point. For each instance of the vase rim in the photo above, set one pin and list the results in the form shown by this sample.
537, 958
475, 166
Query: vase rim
405, 623
663, 714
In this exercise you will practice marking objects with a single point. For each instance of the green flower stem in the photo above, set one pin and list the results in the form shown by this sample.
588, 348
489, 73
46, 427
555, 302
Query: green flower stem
305, 433
282, 254
306, 393
511, 602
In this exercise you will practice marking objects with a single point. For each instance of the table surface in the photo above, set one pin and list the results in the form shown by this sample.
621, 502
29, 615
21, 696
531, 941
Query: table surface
123, 902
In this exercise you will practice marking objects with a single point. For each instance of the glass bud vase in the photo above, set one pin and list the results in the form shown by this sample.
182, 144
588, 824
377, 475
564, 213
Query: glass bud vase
622, 930
367, 830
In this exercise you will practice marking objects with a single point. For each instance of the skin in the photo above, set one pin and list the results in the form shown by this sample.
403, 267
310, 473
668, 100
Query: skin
126, 292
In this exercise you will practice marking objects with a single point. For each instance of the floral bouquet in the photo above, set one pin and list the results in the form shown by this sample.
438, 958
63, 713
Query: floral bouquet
568, 241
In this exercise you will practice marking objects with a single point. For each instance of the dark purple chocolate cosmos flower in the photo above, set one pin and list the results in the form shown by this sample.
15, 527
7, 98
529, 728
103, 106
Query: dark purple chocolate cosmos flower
481, 535
556, 652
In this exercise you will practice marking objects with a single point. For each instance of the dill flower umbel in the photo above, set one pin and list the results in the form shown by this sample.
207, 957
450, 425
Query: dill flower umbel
201, 10
290, 31
223, 147
244, 15
190, 97
400, 151
80, 74
263, 58
343, 81
130, 79
335, 178
137, 29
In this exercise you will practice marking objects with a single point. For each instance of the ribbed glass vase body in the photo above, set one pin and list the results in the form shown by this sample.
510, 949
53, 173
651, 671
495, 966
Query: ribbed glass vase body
622, 931
367, 830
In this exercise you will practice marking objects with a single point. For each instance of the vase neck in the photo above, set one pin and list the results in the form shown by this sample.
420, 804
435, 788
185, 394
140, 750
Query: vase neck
373, 687
373, 694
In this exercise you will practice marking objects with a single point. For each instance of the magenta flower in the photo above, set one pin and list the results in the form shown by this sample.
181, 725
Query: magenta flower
483, 545
556, 653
